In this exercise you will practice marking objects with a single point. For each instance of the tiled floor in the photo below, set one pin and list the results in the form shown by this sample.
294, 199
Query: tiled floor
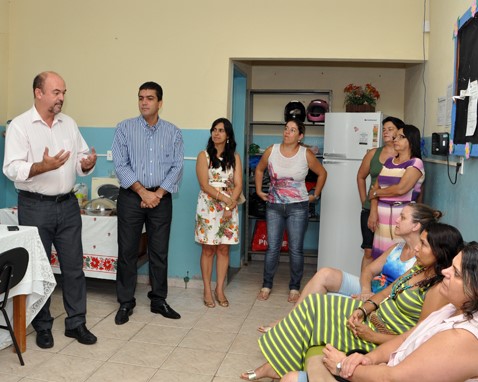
205, 345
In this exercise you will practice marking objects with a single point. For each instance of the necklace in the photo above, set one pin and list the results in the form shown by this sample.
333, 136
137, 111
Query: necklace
402, 284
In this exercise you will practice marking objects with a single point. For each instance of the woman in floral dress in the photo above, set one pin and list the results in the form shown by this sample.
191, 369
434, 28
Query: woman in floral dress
219, 173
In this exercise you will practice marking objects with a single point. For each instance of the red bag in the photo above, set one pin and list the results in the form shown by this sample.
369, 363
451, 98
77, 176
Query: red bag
259, 239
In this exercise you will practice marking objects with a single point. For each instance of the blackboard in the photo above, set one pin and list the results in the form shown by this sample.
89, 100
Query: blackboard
466, 71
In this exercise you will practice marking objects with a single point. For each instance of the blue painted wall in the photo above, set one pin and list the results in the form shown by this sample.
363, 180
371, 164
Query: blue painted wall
184, 253
458, 202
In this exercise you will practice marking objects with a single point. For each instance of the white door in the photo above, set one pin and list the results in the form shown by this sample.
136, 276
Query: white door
340, 236
350, 135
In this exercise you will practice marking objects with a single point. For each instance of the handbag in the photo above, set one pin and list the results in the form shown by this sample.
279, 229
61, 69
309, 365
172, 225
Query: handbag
257, 206
259, 239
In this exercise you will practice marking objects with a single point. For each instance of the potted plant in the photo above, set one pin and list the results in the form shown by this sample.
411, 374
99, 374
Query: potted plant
360, 99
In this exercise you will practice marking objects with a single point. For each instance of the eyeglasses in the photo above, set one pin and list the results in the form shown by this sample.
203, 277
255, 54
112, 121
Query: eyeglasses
398, 137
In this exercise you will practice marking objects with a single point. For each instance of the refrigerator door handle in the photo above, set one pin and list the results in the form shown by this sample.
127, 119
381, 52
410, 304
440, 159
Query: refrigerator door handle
335, 156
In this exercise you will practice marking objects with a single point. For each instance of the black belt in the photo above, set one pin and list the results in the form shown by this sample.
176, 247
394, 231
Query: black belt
47, 198
153, 189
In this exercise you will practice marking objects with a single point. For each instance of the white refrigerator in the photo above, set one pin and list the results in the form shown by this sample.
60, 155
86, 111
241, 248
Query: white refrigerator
347, 138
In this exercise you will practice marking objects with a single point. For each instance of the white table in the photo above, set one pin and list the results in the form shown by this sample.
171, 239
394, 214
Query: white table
100, 246
34, 289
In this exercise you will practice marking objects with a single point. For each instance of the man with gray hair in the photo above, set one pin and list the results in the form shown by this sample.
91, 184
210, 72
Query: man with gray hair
44, 152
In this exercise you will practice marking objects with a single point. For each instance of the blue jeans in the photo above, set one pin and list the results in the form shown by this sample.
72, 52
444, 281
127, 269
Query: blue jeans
295, 218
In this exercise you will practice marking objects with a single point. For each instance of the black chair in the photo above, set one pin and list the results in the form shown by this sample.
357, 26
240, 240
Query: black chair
13, 265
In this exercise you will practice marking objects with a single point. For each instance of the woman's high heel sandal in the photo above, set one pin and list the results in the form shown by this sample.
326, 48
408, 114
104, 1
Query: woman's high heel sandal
224, 303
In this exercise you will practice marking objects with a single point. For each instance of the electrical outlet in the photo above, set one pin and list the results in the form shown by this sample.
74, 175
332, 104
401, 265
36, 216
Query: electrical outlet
426, 26
109, 155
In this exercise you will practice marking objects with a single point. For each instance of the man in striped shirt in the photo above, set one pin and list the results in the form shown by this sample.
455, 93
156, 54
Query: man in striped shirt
148, 157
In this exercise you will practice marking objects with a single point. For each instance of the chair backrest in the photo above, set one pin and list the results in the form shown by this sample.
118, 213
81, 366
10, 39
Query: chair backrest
13, 265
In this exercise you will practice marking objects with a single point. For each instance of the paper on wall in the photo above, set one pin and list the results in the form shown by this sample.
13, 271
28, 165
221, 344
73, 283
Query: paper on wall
449, 104
441, 111
472, 105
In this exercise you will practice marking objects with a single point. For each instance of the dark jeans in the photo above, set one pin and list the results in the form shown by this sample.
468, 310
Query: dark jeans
295, 218
59, 224
131, 218
367, 234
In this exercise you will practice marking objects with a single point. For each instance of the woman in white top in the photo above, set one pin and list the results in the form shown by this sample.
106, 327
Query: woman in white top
287, 203
444, 347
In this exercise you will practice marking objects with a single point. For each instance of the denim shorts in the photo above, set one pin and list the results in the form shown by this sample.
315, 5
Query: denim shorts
367, 234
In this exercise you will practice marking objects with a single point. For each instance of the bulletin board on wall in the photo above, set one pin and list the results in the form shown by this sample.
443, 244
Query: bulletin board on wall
465, 108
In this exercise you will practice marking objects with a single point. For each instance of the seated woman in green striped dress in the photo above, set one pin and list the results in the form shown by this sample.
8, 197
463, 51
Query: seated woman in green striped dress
349, 324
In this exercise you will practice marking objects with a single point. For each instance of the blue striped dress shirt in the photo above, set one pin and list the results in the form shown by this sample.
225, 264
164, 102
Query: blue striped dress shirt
152, 156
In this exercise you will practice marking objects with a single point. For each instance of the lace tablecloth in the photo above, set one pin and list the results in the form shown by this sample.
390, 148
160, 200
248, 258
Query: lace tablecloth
99, 238
38, 282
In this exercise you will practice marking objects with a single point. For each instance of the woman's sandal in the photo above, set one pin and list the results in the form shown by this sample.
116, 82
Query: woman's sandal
251, 375
264, 294
294, 295
264, 329
209, 304
224, 303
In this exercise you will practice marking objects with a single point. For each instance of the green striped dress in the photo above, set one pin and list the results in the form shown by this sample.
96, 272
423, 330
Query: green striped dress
321, 319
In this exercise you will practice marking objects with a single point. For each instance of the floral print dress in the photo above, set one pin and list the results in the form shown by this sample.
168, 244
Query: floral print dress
211, 227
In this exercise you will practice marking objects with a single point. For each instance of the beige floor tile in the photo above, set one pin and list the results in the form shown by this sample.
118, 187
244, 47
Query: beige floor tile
225, 379
235, 364
101, 308
114, 372
9, 378
241, 297
239, 310
63, 368
140, 314
101, 351
207, 340
220, 323
205, 345
246, 344
188, 318
194, 361
108, 329
32, 358
161, 335
176, 376
188, 303
142, 354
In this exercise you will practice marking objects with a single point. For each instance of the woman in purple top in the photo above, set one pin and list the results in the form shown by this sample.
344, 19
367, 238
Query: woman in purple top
398, 184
